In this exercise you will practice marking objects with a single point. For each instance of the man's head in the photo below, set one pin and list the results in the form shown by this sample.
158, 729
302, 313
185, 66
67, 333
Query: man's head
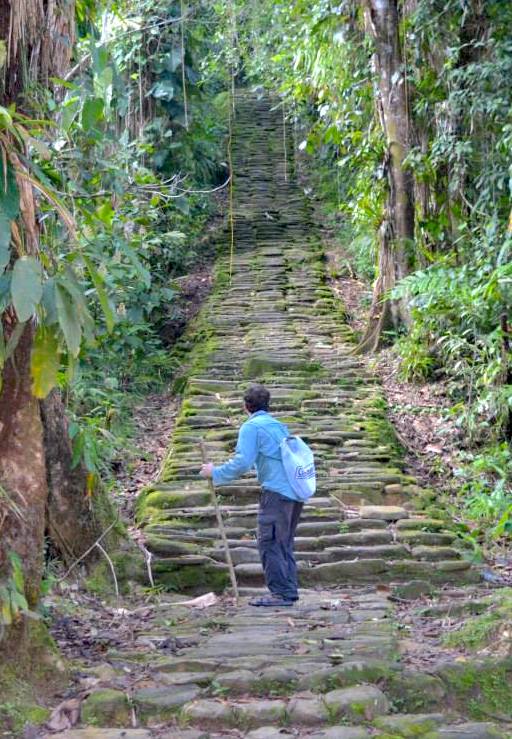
257, 398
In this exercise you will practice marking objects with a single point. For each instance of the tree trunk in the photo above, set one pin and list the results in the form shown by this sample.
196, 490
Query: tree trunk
382, 24
73, 523
22, 469
37, 42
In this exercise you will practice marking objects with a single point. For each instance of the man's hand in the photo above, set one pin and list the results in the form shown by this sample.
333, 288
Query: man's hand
207, 470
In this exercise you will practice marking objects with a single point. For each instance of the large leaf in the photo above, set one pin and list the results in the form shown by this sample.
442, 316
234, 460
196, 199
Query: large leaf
45, 360
9, 193
14, 340
92, 112
69, 320
102, 294
48, 302
26, 287
5, 290
163, 90
70, 282
5, 242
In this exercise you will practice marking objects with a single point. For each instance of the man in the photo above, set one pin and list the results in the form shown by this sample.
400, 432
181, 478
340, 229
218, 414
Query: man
258, 446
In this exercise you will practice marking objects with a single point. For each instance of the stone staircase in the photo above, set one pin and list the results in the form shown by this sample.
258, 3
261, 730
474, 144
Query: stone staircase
333, 666
277, 322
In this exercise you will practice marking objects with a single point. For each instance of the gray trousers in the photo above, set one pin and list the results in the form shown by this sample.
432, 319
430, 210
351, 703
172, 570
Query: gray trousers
277, 521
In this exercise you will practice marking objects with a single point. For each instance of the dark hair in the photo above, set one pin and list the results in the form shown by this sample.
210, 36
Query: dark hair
257, 398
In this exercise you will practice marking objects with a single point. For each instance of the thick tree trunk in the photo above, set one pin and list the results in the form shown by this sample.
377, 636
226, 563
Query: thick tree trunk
38, 40
73, 523
381, 314
22, 469
382, 24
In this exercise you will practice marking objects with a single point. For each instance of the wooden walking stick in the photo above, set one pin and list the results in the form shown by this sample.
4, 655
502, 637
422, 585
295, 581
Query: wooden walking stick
220, 523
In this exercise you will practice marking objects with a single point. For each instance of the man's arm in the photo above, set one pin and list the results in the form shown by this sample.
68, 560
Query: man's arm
245, 456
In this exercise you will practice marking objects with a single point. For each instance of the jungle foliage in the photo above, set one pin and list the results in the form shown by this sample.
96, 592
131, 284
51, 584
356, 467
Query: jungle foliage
116, 147
111, 139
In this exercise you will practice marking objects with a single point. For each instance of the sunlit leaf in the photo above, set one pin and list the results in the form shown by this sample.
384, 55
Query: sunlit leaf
45, 361
106, 213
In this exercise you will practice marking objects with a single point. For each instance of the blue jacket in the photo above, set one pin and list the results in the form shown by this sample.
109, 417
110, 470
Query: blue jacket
258, 446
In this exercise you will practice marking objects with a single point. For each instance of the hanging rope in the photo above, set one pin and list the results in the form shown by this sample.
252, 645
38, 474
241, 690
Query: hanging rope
233, 50
183, 75
231, 114
284, 146
230, 165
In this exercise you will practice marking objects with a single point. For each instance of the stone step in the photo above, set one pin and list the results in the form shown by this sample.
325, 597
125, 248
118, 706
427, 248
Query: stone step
357, 704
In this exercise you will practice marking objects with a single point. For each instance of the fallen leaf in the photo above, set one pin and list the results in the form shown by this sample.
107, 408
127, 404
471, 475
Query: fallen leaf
434, 448
65, 715
203, 601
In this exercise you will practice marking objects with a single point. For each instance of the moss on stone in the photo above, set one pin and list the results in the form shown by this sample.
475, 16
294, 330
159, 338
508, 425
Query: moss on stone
480, 689
258, 366
485, 629
106, 708
16, 716
30, 675
167, 499
129, 566
193, 578
414, 692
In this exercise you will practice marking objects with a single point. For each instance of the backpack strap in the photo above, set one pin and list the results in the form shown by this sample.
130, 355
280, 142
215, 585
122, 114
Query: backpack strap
277, 441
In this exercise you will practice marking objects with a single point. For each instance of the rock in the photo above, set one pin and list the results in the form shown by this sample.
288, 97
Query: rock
468, 731
261, 364
91, 732
413, 589
340, 732
162, 703
183, 678
183, 734
360, 703
259, 712
416, 691
209, 713
335, 572
106, 707
277, 674
434, 554
383, 512
307, 711
343, 675
393, 489
238, 681
409, 724
265, 732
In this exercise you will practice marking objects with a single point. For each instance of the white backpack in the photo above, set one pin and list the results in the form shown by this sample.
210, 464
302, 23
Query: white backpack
299, 465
